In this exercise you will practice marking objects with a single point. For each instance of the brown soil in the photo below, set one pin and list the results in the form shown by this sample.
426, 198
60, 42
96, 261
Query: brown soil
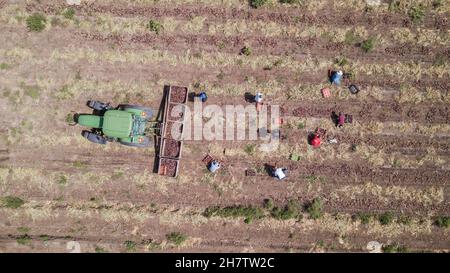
281, 15
382, 111
269, 45
171, 148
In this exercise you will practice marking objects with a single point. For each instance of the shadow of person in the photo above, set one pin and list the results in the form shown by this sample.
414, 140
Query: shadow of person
334, 118
269, 169
310, 137
191, 96
249, 97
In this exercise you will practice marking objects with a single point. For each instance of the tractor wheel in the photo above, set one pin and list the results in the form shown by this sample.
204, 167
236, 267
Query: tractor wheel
145, 143
98, 105
148, 112
94, 137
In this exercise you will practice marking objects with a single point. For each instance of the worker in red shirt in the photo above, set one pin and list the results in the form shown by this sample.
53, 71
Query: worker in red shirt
341, 119
317, 136
315, 142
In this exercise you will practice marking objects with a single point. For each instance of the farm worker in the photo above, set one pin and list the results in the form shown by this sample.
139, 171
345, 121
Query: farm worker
258, 100
258, 97
203, 97
315, 142
214, 166
341, 119
279, 173
336, 77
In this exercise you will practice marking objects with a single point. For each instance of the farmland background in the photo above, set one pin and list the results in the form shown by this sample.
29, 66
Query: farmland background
386, 180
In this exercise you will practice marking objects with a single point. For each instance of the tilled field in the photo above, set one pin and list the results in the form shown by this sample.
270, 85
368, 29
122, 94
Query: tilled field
391, 163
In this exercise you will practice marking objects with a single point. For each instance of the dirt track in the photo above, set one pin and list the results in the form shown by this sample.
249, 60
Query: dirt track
109, 195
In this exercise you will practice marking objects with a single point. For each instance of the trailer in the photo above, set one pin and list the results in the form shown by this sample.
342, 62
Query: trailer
172, 126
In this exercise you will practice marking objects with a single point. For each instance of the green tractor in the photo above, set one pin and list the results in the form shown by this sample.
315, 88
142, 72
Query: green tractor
128, 124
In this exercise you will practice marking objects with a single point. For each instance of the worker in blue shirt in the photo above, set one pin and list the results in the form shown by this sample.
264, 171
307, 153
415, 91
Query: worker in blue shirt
214, 166
336, 77
203, 97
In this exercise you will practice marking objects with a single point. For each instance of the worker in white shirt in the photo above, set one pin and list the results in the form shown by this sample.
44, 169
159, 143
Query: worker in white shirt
258, 97
279, 173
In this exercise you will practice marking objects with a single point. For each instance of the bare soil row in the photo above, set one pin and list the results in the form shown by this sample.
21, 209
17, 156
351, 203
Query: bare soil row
337, 171
273, 45
255, 189
296, 16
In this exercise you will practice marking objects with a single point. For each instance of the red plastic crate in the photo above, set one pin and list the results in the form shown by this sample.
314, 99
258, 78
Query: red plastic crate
326, 92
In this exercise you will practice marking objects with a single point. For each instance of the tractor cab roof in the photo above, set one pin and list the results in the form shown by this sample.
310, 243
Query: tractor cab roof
117, 123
